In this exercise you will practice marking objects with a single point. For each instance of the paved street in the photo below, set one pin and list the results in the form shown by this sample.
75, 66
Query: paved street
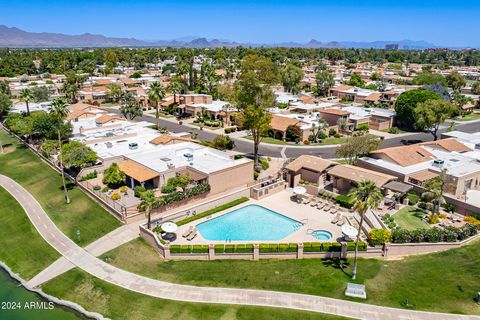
294, 151
96, 267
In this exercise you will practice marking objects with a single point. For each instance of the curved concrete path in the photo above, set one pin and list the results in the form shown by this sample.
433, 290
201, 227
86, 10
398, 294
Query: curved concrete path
165, 290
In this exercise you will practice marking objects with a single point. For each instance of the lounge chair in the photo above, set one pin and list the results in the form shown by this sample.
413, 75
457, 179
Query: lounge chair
342, 221
320, 205
336, 219
192, 235
314, 202
307, 200
327, 208
187, 233
334, 210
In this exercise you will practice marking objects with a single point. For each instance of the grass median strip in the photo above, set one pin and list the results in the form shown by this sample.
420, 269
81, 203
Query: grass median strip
83, 220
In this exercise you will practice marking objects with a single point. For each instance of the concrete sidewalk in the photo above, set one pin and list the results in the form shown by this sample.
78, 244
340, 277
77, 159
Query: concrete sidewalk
165, 290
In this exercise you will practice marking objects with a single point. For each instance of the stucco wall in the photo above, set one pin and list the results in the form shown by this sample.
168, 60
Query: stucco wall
231, 178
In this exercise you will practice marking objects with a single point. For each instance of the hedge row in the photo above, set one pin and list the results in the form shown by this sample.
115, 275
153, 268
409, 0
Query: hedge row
267, 247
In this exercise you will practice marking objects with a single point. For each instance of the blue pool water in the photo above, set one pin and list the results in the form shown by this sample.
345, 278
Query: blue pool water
251, 222
322, 235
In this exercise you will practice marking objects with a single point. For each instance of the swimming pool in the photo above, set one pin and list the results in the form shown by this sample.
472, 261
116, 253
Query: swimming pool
251, 222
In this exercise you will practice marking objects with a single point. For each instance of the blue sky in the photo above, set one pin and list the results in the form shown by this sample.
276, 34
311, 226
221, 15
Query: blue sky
453, 23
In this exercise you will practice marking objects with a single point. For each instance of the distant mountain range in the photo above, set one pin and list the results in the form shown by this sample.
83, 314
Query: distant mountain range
12, 37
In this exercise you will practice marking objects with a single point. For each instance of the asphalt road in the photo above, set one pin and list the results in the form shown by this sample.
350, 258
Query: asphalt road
294, 151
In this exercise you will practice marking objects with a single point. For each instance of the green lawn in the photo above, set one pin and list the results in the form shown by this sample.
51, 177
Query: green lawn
45, 184
410, 218
469, 117
22, 248
118, 303
444, 282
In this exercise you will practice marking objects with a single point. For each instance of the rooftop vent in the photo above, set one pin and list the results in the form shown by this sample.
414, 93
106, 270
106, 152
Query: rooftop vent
438, 163
109, 145
189, 156
165, 159
133, 146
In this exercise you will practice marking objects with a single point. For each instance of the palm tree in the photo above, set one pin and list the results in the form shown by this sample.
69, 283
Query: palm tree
156, 94
26, 95
148, 203
59, 111
366, 196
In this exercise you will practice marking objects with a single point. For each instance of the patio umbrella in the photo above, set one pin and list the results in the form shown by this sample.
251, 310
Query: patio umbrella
349, 231
169, 227
299, 190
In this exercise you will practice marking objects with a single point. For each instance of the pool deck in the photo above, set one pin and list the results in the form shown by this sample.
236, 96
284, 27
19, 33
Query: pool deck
313, 219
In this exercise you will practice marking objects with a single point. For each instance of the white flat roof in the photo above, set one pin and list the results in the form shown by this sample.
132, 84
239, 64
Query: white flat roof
203, 159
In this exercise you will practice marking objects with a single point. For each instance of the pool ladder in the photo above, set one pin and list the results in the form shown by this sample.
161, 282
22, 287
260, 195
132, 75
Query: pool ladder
297, 226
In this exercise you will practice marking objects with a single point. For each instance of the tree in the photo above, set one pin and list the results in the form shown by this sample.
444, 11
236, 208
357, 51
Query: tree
318, 128
324, 82
356, 81
435, 187
291, 77
456, 81
70, 90
111, 59
356, 147
114, 92
5, 104
293, 133
76, 154
366, 196
156, 94
461, 100
130, 107
113, 176
429, 115
40, 93
476, 87
439, 89
253, 101
147, 204
4, 87
26, 96
265, 70
59, 112
406, 104
429, 78
223, 142
342, 124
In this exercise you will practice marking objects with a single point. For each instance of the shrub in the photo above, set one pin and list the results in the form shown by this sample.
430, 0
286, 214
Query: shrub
337, 135
139, 190
175, 248
316, 247
335, 247
240, 248
344, 201
394, 130
433, 218
249, 248
448, 234
362, 246
230, 130
450, 207
273, 247
175, 182
379, 236
307, 247
332, 132
264, 164
362, 127
89, 176
229, 248
306, 142
200, 248
185, 249
321, 135
472, 220
113, 177
264, 248
219, 248
105, 189
413, 199
292, 247
96, 187
115, 196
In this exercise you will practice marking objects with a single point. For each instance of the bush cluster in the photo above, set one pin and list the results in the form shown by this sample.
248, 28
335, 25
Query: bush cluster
388, 219
115, 196
169, 198
139, 190
379, 236
448, 234
412, 198
196, 248
345, 201
89, 176
230, 130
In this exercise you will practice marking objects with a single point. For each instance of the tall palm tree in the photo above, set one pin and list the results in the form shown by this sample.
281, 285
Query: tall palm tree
366, 196
148, 203
26, 95
156, 94
59, 111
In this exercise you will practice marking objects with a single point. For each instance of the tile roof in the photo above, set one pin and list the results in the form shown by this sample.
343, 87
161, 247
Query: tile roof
282, 123
310, 162
405, 155
137, 171
373, 96
449, 144
424, 175
337, 112
358, 174
107, 118
341, 88
166, 138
